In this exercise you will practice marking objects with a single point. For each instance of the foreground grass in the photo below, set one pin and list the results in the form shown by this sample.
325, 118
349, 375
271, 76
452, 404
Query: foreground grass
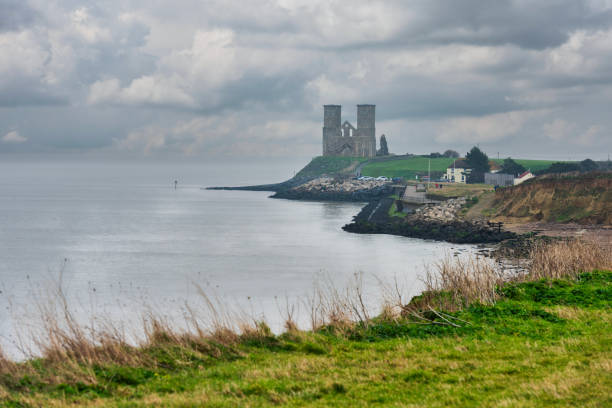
545, 343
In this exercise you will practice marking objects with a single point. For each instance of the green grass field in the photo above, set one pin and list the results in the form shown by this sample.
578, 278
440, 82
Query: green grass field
406, 168
410, 167
544, 344
533, 165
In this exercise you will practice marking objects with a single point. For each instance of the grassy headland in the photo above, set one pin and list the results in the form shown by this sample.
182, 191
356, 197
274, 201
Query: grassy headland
329, 165
473, 339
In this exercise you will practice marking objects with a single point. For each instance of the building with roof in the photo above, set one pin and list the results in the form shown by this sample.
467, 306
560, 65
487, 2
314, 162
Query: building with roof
523, 177
457, 172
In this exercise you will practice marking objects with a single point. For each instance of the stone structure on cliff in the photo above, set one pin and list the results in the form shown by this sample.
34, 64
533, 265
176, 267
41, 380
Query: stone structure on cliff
343, 139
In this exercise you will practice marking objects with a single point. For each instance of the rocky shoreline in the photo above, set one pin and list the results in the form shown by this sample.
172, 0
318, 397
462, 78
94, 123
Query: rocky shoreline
433, 221
437, 222
458, 232
329, 189
323, 189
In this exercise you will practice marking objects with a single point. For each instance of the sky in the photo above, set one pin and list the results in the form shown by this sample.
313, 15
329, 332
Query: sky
225, 78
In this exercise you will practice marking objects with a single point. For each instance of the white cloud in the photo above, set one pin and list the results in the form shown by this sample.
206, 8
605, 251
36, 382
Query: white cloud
144, 140
87, 28
488, 128
14, 137
558, 129
211, 60
589, 136
147, 90
226, 135
181, 77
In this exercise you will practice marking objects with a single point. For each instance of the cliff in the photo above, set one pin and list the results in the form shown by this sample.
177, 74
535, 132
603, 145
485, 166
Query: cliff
581, 198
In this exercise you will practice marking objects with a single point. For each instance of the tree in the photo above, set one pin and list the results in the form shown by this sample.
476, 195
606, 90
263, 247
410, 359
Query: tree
451, 154
560, 167
588, 165
384, 149
435, 155
477, 160
512, 167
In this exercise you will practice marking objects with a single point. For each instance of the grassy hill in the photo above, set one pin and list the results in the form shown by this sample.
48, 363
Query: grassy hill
329, 165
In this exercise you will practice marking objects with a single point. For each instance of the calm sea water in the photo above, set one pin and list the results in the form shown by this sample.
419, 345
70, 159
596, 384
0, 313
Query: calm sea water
124, 240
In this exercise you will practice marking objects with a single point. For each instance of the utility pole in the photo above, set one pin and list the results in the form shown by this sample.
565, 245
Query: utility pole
428, 173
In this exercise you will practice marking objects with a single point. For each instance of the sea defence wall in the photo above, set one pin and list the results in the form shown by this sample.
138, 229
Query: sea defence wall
331, 189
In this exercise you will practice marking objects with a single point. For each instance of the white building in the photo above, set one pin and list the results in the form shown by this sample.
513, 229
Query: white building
523, 177
457, 172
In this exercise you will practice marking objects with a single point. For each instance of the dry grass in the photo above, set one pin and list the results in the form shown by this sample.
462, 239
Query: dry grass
455, 283
567, 259
339, 309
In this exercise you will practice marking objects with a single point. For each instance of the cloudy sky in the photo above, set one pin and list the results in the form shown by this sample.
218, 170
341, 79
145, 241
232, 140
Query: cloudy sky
217, 78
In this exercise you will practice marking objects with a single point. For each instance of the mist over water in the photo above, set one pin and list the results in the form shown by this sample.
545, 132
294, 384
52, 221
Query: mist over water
125, 240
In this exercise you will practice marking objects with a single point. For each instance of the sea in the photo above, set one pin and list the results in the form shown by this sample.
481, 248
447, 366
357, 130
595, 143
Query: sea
116, 241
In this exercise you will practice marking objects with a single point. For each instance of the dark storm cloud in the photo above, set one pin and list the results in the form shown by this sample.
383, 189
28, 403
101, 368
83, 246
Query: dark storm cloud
527, 24
19, 94
15, 14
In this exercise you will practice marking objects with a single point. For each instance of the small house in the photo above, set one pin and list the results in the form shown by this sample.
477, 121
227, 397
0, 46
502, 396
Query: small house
523, 177
494, 167
457, 172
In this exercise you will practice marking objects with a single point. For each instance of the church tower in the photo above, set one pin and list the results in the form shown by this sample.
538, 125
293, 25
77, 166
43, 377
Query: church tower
331, 128
366, 130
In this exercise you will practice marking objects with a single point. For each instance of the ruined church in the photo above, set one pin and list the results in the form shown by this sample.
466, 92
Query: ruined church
343, 139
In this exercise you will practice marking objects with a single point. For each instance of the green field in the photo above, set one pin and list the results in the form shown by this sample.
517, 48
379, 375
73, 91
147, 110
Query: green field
412, 166
407, 168
544, 344
533, 165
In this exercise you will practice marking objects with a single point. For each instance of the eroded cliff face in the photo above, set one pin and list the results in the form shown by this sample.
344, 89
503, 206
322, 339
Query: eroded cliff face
584, 199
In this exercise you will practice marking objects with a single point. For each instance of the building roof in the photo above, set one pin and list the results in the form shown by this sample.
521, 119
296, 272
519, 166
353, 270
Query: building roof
524, 174
493, 165
459, 164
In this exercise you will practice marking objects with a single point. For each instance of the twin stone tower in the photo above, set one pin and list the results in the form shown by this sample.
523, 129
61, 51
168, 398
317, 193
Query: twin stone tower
343, 139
